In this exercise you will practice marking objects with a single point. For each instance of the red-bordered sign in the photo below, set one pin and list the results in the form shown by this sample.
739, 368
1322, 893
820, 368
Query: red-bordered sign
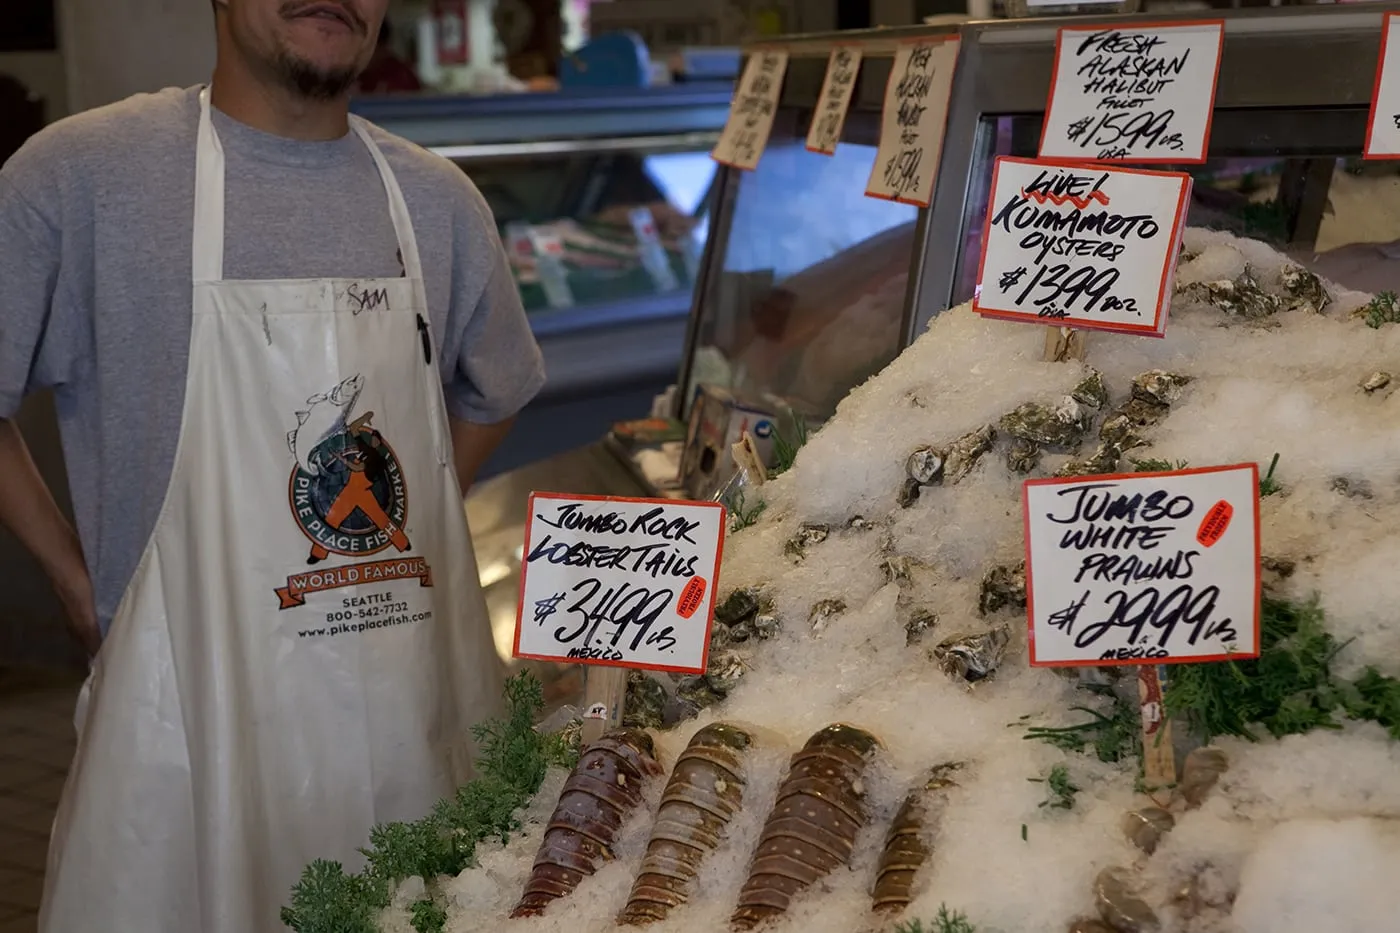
1382, 139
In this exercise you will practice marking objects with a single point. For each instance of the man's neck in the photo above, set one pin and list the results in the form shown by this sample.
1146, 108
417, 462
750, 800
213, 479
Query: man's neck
273, 110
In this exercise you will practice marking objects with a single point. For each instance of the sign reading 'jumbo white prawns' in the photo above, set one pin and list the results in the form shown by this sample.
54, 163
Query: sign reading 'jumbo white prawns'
1081, 246
1148, 568
619, 582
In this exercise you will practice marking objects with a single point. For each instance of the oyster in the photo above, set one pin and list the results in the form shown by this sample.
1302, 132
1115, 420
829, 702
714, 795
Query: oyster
742, 604
765, 626
1243, 297
695, 694
1104, 459
1375, 382
722, 674
646, 702
1003, 586
1119, 905
973, 657
1159, 387
807, 536
860, 523
1306, 290
1146, 827
1090, 925
908, 493
895, 569
1023, 456
964, 453
918, 623
824, 611
1091, 391
1352, 488
1200, 772
1061, 426
925, 465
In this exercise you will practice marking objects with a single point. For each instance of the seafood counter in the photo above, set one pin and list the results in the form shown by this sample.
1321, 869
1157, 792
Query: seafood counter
870, 749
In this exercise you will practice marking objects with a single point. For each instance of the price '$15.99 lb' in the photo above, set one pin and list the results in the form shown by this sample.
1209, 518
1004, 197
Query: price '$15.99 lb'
619, 582
1083, 246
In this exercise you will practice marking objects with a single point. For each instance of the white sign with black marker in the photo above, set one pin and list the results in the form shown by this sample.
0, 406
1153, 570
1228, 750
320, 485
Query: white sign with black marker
753, 110
829, 116
913, 122
1143, 94
619, 582
1151, 568
1383, 132
1081, 246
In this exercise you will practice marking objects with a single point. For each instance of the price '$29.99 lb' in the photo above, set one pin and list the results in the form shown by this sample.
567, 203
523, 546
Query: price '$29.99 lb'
619, 582
1083, 246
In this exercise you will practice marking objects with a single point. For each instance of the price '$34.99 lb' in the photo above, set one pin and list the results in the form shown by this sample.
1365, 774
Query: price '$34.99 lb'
620, 582
1091, 247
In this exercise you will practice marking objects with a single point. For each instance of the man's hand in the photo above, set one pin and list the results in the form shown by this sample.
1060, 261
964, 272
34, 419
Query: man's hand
27, 509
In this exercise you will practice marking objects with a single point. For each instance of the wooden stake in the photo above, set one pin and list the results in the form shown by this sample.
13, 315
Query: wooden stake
745, 454
604, 699
1158, 754
1063, 343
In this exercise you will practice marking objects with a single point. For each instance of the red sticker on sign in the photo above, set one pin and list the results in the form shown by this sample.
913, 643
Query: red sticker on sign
690, 597
1214, 524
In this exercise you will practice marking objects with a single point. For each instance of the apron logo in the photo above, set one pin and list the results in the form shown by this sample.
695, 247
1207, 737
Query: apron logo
347, 494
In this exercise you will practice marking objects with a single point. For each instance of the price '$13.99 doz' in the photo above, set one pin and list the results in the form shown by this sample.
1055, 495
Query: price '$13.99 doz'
1091, 247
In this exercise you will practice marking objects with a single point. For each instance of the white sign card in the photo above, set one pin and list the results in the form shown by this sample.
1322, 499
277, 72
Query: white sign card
913, 122
1143, 94
619, 582
1151, 568
752, 111
1091, 246
1383, 131
829, 116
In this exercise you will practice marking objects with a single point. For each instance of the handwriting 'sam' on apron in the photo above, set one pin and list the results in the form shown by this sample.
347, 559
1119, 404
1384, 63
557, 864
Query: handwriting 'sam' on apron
304, 644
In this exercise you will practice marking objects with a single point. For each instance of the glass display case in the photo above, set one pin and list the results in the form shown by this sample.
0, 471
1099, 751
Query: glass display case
1284, 162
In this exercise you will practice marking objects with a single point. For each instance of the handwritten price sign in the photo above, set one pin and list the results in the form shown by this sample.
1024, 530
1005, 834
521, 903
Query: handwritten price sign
913, 122
1151, 568
752, 111
619, 582
1144, 94
829, 117
1383, 132
1091, 247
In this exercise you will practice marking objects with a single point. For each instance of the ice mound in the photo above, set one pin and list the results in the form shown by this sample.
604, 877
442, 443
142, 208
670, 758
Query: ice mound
1298, 834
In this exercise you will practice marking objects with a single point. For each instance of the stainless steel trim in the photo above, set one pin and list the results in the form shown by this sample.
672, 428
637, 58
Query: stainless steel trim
676, 142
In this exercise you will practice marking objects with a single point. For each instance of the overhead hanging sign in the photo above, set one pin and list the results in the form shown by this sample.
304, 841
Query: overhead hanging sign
1151, 568
1143, 94
753, 110
829, 116
1081, 246
619, 582
914, 120
1383, 131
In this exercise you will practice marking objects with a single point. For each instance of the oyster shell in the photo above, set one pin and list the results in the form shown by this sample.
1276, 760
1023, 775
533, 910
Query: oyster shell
1104, 459
964, 453
765, 626
808, 535
1352, 488
1003, 586
1305, 289
1200, 772
824, 611
1375, 382
917, 625
1243, 297
1159, 387
742, 604
1061, 427
1023, 456
646, 702
908, 493
895, 569
1119, 905
1092, 391
1089, 925
973, 657
925, 465
1146, 827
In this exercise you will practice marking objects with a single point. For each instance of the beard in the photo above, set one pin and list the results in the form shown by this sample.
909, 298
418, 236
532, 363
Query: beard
310, 81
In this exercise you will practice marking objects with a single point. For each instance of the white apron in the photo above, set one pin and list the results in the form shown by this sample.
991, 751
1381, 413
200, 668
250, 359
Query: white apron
304, 644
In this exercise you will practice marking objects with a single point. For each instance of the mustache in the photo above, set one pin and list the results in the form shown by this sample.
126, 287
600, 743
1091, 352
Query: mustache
338, 8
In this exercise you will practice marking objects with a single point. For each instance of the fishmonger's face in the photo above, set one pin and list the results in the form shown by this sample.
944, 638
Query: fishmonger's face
317, 48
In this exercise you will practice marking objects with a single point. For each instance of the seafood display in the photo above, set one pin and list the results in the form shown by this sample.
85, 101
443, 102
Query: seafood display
884, 585
705, 791
812, 828
603, 789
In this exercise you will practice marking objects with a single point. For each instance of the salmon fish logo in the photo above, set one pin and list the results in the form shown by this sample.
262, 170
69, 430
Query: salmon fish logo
346, 490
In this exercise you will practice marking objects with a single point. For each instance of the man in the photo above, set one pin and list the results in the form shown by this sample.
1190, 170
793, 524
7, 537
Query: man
221, 285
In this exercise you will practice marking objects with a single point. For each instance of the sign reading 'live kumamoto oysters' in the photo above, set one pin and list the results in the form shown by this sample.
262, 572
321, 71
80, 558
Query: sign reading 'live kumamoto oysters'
619, 582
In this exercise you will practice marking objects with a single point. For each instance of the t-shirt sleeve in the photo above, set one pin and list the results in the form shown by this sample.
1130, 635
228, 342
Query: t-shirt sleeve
499, 367
29, 263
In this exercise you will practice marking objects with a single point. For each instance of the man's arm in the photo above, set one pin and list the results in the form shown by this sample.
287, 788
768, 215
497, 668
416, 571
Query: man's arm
472, 446
29, 511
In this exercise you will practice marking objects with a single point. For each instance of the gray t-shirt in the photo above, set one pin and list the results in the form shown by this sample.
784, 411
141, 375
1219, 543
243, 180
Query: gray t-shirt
96, 214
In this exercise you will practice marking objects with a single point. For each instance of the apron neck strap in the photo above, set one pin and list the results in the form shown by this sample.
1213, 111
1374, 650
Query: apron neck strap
208, 240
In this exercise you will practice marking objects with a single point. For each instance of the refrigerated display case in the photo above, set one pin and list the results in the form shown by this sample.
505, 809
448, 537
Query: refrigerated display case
1283, 163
